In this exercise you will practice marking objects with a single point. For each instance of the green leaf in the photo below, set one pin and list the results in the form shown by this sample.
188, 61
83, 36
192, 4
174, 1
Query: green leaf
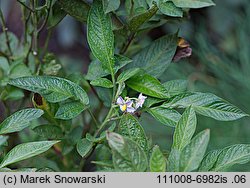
71, 139
13, 43
127, 155
174, 160
103, 152
70, 110
104, 164
209, 160
102, 82
124, 76
229, 156
168, 8
185, 129
121, 61
84, 147
157, 160
51, 64
19, 120
156, 57
110, 5
105, 95
18, 70
53, 89
135, 23
4, 65
100, 35
152, 101
130, 127
193, 3
206, 104
192, 154
96, 70
183, 133
49, 131
57, 14
75, 8
166, 116
102, 136
12, 93
175, 87
25, 151
148, 85
135, 7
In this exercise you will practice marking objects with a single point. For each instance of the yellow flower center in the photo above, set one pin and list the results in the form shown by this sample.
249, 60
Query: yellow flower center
124, 107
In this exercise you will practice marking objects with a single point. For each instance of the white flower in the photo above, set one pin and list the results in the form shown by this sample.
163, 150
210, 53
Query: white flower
125, 106
140, 101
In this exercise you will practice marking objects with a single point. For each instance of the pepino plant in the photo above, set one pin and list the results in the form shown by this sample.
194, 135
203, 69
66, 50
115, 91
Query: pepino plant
91, 122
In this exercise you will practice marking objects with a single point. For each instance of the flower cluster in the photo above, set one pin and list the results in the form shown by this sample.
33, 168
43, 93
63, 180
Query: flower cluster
127, 104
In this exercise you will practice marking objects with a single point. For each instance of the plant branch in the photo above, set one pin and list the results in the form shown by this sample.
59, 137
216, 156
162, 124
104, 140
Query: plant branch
26, 59
110, 113
104, 122
46, 19
114, 118
5, 33
93, 117
34, 33
126, 45
94, 91
26, 6
26, 25
47, 42
114, 87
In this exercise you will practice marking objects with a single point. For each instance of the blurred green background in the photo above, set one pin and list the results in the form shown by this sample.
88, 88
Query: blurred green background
220, 64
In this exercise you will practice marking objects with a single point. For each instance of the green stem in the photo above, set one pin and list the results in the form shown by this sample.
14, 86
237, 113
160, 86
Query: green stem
35, 36
26, 6
119, 89
110, 113
93, 117
46, 19
47, 42
26, 27
5, 33
35, 33
114, 87
51, 119
126, 45
114, 118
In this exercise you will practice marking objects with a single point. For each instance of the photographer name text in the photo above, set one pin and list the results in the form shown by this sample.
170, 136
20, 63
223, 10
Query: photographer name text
58, 179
